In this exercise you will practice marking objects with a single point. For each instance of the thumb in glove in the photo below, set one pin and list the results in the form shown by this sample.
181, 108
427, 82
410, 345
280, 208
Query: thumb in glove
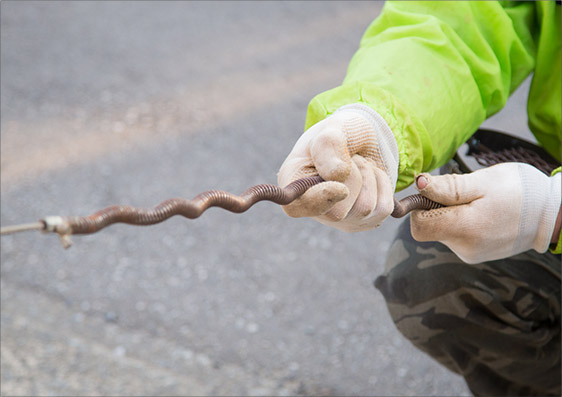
354, 150
491, 213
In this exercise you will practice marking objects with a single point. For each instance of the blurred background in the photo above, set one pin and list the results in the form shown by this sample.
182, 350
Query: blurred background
108, 103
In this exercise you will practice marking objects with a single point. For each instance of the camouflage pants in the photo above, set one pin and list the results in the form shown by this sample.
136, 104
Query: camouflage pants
496, 323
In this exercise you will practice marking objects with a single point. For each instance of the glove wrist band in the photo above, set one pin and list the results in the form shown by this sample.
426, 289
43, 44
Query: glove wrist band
550, 213
384, 136
540, 203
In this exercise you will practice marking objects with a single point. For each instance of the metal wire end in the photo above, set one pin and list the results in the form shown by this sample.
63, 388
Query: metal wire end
59, 225
22, 228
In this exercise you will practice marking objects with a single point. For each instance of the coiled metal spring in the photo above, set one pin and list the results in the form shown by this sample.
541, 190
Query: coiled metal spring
191, 208
413, 202
65, 226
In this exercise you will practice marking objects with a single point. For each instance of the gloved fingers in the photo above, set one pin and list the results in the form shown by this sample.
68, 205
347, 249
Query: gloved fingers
353, 183
293, 168
317, 200
452, 189
329, 154
443, 224
330, 158
374, 202
366, 200
385, 197
457, 227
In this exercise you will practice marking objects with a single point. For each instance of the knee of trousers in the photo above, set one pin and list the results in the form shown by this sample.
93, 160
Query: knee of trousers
427, 279
426, 286
419, 273
452, 310
496, 318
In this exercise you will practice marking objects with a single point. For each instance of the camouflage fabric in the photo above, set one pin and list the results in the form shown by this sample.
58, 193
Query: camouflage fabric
496, 323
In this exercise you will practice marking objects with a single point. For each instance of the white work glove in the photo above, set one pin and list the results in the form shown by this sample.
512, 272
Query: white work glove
354, 150
494, 212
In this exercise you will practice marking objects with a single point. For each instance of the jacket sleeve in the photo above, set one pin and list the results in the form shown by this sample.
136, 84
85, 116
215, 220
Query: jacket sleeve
435, 71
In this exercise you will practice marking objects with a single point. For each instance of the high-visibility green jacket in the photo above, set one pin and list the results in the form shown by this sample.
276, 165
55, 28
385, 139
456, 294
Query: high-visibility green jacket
436, 70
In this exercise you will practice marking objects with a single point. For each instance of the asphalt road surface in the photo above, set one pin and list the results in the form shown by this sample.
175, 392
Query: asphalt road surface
135, 102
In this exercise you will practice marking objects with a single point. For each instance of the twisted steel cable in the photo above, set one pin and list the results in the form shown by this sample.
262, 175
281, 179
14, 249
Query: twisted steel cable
65, 226
411, 203
194, 208
191, 208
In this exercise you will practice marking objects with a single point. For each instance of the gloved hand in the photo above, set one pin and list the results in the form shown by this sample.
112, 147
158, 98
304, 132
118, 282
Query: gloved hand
494, 212
354, 150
